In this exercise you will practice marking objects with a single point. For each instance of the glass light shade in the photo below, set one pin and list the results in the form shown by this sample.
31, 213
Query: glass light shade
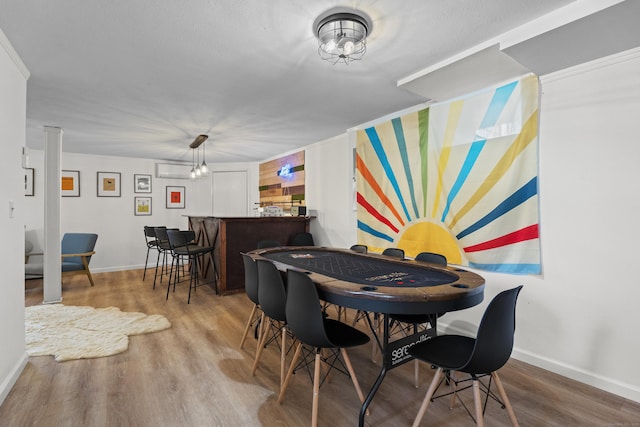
204, 169
342, 37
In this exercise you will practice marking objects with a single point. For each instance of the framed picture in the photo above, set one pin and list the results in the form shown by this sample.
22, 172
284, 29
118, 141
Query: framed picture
142, 205
175, 197
108, 184
28, 181
70, 183
141, 183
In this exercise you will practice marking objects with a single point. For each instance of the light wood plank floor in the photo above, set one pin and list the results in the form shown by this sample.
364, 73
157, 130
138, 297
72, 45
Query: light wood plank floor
194, 374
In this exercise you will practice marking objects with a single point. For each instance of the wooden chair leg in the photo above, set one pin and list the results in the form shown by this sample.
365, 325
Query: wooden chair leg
416, 371
248, 325
505, 399
90, 277
265, 329
352, 373
292, 367
427, 398
477, 400
283, 354
452, 384
316, 391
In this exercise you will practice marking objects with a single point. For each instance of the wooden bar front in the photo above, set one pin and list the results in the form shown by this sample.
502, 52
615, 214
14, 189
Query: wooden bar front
231, 236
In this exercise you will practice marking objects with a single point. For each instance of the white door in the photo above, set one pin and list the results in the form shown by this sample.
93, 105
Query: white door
230, 194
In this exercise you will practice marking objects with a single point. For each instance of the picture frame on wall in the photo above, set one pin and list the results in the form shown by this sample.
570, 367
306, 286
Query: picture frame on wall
70, 183
142, 206
108, 184
29, 174
141, 183
175, 197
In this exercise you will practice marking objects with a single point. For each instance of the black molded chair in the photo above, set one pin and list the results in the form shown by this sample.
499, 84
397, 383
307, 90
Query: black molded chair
361, 249
478, 357
313, 329
432, 257
272, 294
251, 289
301, 239
184, 248
394, 252
267, 243
152, 243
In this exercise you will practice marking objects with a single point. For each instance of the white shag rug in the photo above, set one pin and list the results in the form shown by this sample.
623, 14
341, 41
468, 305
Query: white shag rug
72, 332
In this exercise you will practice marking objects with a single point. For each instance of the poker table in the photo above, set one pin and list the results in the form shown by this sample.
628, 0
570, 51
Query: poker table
383, 285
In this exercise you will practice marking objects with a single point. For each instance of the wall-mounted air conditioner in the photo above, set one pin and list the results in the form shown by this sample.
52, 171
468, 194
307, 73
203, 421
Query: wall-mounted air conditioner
173, 170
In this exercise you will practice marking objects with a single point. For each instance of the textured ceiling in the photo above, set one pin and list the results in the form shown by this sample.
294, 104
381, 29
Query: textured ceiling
143, 78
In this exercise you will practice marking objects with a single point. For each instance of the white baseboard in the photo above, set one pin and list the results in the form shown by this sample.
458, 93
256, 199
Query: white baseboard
10, 380
628, 391
610, 385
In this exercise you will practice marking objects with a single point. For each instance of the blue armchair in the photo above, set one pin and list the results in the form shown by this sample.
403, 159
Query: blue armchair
76, 250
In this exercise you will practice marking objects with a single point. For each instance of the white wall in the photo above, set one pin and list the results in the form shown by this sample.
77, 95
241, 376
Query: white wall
579, 318
121, 243
13, 90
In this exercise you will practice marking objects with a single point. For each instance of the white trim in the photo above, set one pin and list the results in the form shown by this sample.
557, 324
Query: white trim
8, 47
12, 378
607, 61
628, 391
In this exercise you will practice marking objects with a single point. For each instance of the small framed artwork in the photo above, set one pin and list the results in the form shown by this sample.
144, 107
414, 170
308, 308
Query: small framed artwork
108, 184
28, 181
175, 197
70, 183
142, 205
141, 183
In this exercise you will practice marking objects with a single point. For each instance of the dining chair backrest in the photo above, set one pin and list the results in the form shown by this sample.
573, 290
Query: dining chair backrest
272, 293
302, 239
304, 311
362, 249
494, 340
432, 257
267, 243
250, 278
394, 252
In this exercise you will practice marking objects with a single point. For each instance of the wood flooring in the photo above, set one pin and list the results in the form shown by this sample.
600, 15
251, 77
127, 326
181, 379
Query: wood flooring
194, 374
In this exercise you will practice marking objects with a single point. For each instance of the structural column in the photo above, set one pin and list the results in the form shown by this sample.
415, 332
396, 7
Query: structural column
52, 282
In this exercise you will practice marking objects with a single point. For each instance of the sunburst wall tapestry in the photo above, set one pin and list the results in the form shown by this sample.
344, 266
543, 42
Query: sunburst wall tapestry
458, 178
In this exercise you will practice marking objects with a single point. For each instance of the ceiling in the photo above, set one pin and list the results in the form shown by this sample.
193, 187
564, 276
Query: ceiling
143, 78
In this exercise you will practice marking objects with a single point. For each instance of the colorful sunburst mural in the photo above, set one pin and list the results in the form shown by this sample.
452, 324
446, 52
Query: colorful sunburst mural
458, 178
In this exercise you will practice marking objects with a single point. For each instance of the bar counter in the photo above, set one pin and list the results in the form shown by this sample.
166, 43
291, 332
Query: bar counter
232, 235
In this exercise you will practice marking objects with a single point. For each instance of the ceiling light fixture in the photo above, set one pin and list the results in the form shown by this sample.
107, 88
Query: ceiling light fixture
342, 37
197, 169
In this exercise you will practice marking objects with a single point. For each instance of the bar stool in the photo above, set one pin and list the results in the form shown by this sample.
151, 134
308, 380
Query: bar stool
183, 247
